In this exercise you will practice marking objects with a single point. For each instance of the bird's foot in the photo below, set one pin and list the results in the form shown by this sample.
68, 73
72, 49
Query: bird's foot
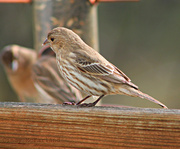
69, 103
86, 105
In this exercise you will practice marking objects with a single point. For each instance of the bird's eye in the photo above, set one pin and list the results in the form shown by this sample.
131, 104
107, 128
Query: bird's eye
52, 39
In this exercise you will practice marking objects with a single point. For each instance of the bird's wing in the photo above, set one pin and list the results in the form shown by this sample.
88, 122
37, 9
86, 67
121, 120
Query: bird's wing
46, 75
104, 70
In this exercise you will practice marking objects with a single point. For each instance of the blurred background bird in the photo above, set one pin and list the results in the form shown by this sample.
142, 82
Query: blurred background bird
49, 82
17, 62
35, 78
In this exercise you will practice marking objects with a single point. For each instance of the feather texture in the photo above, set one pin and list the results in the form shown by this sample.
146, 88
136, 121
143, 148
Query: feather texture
98, 68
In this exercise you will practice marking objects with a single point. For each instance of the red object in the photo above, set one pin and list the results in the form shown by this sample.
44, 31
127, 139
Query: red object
15, 1
91, 1
95, 1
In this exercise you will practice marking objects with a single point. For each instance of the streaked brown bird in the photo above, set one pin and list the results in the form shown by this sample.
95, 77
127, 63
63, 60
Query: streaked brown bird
36, 78
87, 70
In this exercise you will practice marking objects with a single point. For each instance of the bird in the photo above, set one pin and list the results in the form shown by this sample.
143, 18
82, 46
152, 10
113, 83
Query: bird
35, 77
17, 62
89, 71
50, 83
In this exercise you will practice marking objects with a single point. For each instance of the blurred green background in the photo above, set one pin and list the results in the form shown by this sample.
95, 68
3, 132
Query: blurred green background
140, 38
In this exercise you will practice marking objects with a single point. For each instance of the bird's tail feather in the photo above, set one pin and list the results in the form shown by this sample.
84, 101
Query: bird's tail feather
137, 93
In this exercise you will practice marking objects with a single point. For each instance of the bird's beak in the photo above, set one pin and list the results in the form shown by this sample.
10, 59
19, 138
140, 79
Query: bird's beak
45, 42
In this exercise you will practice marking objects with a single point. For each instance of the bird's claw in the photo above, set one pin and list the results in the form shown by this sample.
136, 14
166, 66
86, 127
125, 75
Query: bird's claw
69, 103
86, 105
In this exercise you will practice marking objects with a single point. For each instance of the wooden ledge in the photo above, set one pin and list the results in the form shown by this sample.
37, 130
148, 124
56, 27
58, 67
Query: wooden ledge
25, 125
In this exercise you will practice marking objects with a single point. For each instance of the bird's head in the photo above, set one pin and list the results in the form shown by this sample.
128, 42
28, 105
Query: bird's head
61, 38
16, 59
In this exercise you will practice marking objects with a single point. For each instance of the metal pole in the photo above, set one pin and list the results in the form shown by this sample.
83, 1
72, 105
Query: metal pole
77, 15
